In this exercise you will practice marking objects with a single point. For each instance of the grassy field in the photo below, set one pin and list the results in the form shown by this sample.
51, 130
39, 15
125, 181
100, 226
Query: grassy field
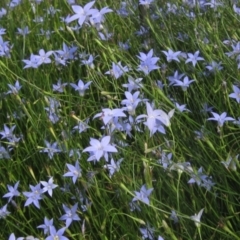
119, 122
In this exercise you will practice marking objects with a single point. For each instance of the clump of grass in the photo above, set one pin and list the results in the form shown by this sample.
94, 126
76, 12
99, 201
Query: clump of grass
106, 134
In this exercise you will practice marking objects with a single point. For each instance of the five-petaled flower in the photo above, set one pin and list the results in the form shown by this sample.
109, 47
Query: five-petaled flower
143, 194
220, 118
100, 148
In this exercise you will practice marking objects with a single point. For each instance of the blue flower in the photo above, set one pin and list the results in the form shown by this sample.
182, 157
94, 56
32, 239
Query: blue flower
7, 132
46, 226
183, 84
220, 118
51, 149
32, 63
14, 89
100, 148
108, 115
113, 166
59, 87
48, 186
131, 102
12, 192
70, 214
81, 87
147, 62
82, 13
147, 232
34, 196
133, 84
74, 171
235, 94
171, 55
196, 218
4, 212
194, 58
117, 70
143, 195
54, 234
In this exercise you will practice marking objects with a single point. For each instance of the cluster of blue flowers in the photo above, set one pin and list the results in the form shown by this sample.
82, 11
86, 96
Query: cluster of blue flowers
124, 118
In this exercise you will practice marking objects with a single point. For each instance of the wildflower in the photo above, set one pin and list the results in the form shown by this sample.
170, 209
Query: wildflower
175, 77
100, 148
236, 9
235, 94
4, 212
12, 237
98, 16
46, 226
74, 172
153, 115
32, 63
231, 163
213, 4
147, 233
34, 196
166, 160
123, 11
53, 110
54, 234
145, 2
4, 48
2, 31
174, 217
197, 178
124, 46
59, 60
7, 132
89, 62
106, 36
82, 13
81, 87
235, 48
14, 89
183, 84
59, 87
117, 70
70, 214
181, 108
43, 57
12, 192
206, 108
67, 53
214, 66
52, 11
194, 58
82, 126
172, 55
113, 166
3, 12
159, 84
182, 167
143, 30
131, 102
4, 154
220, 118
133, 84
143, 195
196, 218
108, 115
147, 62
48, 186
51, 149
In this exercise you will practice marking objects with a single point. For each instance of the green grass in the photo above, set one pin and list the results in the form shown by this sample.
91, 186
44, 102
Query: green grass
109, 215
